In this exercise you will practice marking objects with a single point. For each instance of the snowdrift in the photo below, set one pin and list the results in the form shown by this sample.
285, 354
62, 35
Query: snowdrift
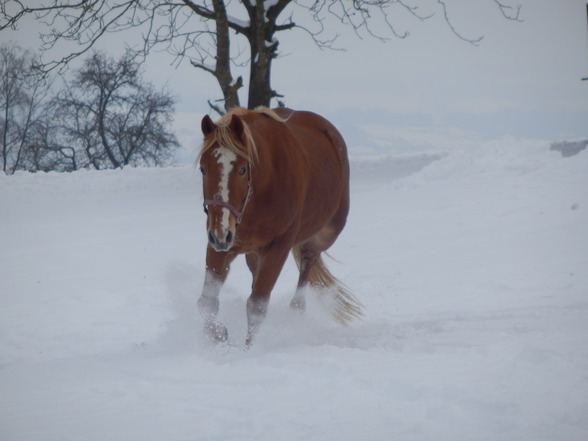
471, 263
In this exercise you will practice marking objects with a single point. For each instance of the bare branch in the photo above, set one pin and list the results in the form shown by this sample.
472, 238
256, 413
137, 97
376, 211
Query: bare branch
216, 108
320, 43
210, 15
414, 11
82, 29
510, 12
474, 41
205, 67
203, 30
200, 10
315, 13
13, 17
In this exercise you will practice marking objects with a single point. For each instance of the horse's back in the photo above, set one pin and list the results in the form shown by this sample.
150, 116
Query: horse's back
325, 167
313, 122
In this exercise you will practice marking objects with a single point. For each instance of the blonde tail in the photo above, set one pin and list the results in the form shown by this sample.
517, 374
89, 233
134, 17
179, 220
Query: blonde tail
339, 302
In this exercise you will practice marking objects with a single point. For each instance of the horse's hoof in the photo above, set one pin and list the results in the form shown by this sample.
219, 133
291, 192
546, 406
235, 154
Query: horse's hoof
216, 332
298, 304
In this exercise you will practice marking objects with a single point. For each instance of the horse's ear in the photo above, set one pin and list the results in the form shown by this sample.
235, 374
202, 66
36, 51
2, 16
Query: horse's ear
207, 125
236, 126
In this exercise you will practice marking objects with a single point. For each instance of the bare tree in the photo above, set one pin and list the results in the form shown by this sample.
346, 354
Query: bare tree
48, 149
22, 95
112, 118
204, 30
106, 117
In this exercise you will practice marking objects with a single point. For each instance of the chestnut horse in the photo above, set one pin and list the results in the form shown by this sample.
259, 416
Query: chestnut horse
274, 181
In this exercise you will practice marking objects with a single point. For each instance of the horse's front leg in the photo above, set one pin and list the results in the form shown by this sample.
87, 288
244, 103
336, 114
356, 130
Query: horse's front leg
217, 269
265, 269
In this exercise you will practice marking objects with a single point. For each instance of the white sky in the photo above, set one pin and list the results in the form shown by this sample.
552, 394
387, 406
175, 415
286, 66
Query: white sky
523, 79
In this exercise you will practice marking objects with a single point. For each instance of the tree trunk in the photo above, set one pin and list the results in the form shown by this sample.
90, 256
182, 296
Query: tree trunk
262, 53
260, 91
101, 115
223, 57
5, 140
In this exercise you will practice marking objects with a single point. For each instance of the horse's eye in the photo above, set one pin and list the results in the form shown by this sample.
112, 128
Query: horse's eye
202, 170
242, 171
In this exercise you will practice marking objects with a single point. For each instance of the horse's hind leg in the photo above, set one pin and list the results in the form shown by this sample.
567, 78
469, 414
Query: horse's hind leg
334, 296
307, 255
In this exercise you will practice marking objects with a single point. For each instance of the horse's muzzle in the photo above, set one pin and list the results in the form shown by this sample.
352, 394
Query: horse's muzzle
223, 244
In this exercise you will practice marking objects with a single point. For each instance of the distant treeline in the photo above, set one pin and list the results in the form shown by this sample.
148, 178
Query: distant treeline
102, 115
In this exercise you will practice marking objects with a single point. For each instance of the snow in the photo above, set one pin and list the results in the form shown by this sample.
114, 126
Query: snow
205, 66
267, 4
471, 263
239, 22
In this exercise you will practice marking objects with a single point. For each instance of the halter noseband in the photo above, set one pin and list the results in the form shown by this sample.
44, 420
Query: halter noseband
220, 203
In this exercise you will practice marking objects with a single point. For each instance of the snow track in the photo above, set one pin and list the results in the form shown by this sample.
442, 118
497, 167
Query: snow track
472, 266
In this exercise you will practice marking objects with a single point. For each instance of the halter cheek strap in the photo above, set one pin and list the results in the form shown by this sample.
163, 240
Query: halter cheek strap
220, 203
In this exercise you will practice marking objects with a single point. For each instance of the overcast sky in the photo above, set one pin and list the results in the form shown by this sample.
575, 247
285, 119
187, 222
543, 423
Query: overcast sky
523, 79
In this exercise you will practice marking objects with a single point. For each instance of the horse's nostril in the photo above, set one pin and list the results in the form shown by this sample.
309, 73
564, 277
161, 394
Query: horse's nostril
211, 238
229, 237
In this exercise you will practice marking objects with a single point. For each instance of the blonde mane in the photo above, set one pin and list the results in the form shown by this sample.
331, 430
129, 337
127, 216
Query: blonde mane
272, 114
223, 135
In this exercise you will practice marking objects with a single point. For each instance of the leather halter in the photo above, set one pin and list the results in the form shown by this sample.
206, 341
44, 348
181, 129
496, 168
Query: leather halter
220, 203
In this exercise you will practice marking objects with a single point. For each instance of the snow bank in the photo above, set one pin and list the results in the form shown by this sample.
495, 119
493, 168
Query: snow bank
471, 263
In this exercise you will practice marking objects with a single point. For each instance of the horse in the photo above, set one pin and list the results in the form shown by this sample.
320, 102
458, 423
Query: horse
274, 181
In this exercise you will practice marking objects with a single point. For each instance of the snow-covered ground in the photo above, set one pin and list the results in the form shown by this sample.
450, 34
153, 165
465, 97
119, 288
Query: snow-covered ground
472, 265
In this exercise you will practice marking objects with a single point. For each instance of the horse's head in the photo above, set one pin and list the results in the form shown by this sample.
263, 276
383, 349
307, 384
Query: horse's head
226, 176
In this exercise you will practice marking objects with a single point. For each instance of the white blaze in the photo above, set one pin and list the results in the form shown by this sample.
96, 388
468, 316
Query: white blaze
226, 160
